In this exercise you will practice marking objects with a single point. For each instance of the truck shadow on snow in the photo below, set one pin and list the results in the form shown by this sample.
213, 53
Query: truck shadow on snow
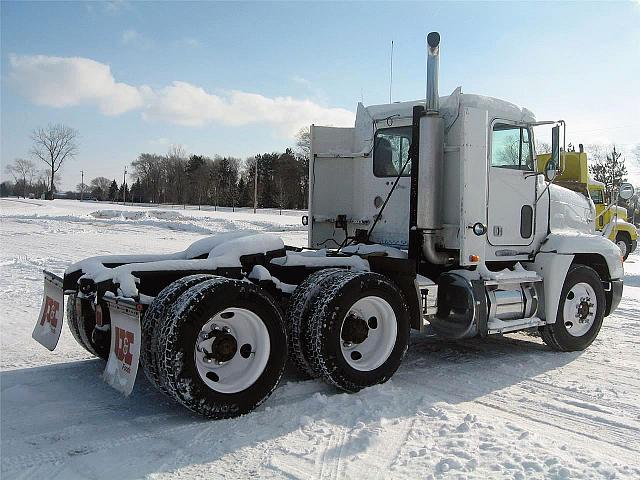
154, 434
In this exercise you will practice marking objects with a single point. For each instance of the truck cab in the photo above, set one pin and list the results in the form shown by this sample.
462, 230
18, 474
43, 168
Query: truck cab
455, 185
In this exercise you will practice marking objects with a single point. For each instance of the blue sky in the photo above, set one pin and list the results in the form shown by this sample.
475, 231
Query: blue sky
241, 78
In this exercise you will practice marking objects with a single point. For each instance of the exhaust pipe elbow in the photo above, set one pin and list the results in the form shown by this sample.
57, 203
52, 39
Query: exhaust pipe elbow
431, 254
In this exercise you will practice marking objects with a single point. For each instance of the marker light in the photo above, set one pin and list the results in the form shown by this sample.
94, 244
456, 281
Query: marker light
479, 229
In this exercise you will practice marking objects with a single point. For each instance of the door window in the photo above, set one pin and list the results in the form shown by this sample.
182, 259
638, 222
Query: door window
511, 147
391, 152
596, 196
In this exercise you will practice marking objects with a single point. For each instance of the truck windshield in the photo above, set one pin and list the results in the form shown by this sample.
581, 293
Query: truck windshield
391, 151
511, 147
597, 197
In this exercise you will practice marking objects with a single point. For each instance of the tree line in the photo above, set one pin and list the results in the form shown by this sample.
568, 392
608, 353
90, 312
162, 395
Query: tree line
197, 179
175, 177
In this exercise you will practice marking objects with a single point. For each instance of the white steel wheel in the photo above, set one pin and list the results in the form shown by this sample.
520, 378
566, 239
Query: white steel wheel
580, 311
580, 307
622, 245
368, 333
232, 350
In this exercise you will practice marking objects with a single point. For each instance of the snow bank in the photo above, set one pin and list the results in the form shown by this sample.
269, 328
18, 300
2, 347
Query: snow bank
137, 215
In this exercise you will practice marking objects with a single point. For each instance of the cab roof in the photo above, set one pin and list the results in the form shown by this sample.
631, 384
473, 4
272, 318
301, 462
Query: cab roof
375, 116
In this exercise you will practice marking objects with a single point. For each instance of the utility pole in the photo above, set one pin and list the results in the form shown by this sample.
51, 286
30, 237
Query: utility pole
255, 188
124, 187
82, 185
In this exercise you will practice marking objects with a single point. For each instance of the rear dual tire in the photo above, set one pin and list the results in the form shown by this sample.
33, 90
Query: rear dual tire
354, 331
221, 347
159, 308
81, 318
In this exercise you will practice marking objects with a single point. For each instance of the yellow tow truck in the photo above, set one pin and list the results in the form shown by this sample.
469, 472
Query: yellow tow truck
611, 219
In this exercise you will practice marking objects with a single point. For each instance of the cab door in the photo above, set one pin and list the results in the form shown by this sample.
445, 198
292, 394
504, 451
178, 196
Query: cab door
390, 155
512, 186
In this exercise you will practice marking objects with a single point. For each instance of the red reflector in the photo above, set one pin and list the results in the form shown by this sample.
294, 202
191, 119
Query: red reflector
98, 316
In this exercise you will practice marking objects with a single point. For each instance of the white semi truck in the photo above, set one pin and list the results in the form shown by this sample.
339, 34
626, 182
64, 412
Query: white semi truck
426, 216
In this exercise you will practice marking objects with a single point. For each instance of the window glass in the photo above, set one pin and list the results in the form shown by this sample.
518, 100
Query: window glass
511, 147
596, 196
391, 152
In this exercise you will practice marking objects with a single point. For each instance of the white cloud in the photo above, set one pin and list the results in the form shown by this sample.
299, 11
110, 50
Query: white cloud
70, 81
65, 82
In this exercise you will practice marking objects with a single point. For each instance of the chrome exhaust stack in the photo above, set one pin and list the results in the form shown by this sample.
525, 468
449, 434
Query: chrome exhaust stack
431, 160
433, 68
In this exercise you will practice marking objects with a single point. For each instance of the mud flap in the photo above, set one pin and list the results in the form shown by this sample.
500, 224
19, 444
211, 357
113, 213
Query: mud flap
49, 325
124, 355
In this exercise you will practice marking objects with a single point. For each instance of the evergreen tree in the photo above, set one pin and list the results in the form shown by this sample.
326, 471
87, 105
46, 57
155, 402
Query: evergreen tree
612, 172
113, 191
136, 191
123, 192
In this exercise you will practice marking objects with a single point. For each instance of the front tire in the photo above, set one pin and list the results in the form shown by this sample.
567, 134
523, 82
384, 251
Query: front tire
580, 311
359, 330
224, 348
624, 244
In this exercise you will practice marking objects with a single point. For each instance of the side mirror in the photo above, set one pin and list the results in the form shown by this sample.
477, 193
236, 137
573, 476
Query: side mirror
551, 170
626, 191
555, 146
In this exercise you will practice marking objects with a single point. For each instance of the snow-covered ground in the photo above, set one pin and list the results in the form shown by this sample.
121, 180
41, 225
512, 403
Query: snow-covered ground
503, 408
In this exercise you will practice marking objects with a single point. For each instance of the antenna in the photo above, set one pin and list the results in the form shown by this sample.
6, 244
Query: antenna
391, 74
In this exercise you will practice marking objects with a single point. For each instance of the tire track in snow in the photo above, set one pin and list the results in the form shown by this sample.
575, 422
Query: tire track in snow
326, 463
86, 447
534, 418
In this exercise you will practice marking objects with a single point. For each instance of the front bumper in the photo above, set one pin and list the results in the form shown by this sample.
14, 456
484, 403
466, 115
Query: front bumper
614, 295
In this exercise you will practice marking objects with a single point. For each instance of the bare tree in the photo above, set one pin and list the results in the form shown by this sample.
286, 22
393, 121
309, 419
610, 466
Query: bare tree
54, 145
542, 147
100, 187
303, 142
635, 153
597, 152
23, 171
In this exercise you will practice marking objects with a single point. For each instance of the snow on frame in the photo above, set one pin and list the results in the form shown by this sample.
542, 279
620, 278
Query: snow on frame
505, 407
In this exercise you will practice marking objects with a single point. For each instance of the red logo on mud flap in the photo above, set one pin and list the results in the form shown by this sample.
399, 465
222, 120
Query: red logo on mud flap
122, 347
50, 313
